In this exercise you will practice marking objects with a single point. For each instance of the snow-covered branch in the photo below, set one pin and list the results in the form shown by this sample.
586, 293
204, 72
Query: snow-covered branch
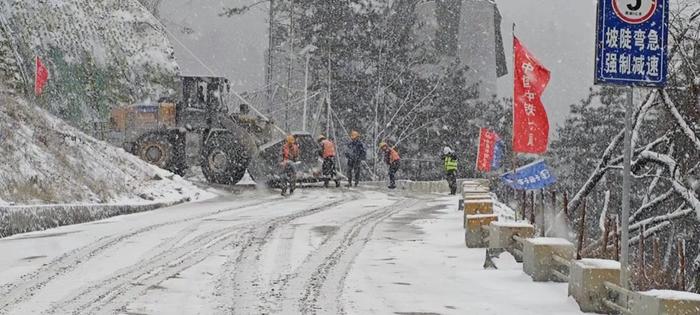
666, 217
602, 167
651, 204
681, 121
651, 231
687, 194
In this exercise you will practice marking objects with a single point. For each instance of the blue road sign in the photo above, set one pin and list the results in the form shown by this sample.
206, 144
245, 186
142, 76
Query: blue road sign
631, 42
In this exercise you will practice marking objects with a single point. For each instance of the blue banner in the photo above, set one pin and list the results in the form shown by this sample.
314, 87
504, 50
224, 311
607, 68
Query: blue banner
631, 43
536, 175
498, 154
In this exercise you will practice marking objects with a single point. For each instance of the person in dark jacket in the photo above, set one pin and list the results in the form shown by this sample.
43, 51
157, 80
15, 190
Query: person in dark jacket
391, 158
355, 154
450, 166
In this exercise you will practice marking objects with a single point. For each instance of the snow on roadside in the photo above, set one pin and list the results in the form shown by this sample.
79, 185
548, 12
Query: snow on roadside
432, 260
43, 160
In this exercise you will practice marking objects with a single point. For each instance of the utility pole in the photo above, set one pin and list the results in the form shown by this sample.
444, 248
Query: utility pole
626, 187
328, 125
271, 43
306, 92
291, 63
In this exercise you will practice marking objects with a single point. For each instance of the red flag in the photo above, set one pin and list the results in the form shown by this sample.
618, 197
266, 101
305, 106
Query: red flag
530, 123
42, 76
487, 146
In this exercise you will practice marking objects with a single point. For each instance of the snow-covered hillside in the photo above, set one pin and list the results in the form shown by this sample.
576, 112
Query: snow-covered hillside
99, 54
43, 160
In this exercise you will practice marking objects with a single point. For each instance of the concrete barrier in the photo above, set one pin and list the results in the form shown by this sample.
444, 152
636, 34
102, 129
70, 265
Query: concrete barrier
476, 195
475, 207
501, 234
23, 219
538, 261
586, 282
476, 232
427, 187
476, 185
470, 190
665, 302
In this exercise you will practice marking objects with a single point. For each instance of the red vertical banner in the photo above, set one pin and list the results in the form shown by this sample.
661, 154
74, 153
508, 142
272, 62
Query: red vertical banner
530, 123
487, 146
42, 76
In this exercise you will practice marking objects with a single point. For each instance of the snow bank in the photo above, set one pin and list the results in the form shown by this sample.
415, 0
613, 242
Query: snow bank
505, 213
512, 224
672, 295
46, 161
549, 241
51, 174
588, 263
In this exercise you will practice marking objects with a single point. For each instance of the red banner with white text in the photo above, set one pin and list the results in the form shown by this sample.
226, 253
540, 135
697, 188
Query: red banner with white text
487, 146
530, 123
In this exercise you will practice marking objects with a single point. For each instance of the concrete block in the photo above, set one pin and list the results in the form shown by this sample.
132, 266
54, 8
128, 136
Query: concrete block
666, 302
476, 195
478, 183
537, 256
478, 206
586, 278
474, 235
501, 235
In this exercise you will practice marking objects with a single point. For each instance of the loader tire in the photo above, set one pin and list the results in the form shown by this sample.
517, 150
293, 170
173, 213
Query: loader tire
162, 149
224, 159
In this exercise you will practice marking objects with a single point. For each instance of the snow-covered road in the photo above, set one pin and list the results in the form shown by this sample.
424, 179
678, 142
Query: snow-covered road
326, 252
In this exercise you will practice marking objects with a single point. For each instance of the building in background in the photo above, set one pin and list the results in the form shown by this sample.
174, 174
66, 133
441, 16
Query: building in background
469, 30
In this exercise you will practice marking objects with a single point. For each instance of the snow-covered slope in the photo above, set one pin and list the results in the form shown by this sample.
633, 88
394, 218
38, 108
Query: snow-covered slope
99, 54
43, 160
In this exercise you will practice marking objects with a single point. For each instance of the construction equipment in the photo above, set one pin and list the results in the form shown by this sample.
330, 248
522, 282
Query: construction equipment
199, 127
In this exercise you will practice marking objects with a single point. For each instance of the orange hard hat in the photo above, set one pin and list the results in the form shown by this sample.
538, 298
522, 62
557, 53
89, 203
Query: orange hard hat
291, 139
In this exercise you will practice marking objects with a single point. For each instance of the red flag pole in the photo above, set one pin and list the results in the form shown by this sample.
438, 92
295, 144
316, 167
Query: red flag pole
478, 150
514, 158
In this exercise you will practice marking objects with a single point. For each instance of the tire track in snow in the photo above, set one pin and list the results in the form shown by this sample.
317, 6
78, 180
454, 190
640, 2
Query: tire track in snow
300, 289
14, 293
325, 284
114, 293
240, 278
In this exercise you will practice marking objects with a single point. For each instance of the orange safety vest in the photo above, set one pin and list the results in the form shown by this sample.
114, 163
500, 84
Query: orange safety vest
290, 152
328, 149
393, 155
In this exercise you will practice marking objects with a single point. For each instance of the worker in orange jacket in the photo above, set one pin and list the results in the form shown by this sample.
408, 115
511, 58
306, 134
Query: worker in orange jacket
391, 158
290, 155
327, 153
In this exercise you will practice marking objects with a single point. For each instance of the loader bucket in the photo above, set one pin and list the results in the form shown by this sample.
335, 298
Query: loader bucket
266, 166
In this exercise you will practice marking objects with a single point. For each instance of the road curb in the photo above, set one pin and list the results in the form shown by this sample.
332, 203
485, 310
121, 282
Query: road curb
426, 187
23, 219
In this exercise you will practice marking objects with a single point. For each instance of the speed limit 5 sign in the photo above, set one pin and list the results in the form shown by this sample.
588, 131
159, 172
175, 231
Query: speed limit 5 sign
631, 42
634, 11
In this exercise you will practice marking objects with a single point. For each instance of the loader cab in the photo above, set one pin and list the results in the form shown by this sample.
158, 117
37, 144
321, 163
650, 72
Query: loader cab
201, 99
